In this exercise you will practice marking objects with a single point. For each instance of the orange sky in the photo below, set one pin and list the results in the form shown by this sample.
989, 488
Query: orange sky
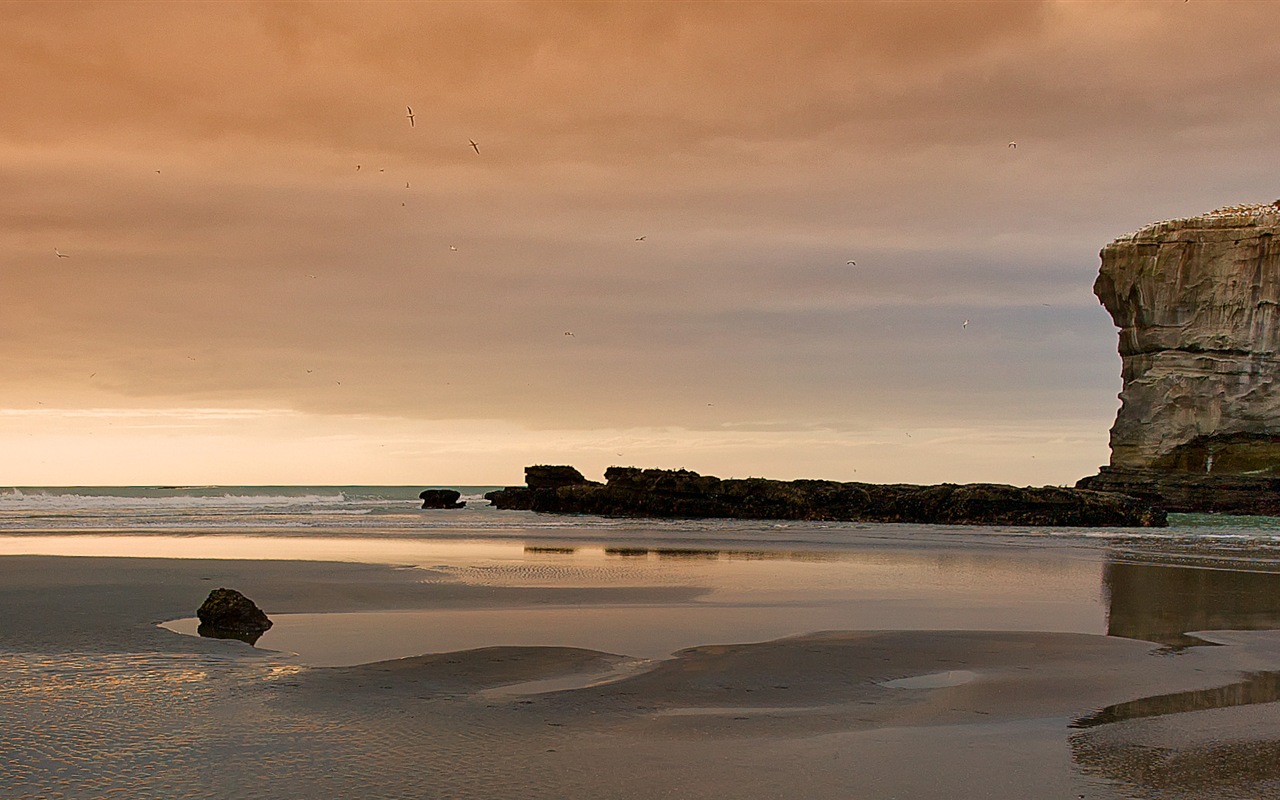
240, 304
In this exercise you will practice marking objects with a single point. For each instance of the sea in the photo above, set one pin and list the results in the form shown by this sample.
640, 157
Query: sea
396, 511
742, 580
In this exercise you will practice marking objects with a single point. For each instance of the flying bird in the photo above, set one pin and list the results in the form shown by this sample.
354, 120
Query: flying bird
410, 116
852, 263
474, 146
640, 238
59, 254
568, 333
453, 248
1013, 145
964, 324
357, 167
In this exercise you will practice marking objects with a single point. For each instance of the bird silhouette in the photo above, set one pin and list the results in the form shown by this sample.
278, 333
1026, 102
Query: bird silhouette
474, 146
409, 115
59, 254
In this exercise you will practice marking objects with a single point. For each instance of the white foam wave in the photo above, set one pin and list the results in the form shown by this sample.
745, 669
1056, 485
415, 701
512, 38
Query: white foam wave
17, 501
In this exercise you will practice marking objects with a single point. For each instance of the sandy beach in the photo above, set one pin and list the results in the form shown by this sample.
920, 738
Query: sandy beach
100, 702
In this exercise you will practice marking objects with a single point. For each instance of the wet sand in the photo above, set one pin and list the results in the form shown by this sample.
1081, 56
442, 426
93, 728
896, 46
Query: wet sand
99, 702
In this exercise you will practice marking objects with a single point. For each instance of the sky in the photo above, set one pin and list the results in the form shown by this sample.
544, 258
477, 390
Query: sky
273, 276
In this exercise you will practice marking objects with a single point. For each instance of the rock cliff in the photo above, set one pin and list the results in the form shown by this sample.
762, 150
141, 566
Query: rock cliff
631, 492
1197, 302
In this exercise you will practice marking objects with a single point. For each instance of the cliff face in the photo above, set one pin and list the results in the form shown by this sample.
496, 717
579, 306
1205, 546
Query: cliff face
1197, 302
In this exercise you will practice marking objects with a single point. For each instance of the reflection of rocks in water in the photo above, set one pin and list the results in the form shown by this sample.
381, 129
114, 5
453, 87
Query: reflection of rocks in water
626, 552
1259, 687
210, 632
662, 552
1160, 604
730, 555
672, 552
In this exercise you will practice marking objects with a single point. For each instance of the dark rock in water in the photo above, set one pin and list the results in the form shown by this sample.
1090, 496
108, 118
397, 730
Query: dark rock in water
553, 477
538, 478
631, 492
1197, 304
1222, 494
441, 498
227, 614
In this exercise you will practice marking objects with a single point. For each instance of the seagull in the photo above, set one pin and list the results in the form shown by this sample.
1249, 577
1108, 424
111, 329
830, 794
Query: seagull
852, 263
964, 324
1013, 145
410, 116
640, 238
309, 275
454, 249
60, 255
357, 167
474, 146
568, 333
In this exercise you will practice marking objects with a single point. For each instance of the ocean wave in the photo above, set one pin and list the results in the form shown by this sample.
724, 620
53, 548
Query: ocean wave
16, 500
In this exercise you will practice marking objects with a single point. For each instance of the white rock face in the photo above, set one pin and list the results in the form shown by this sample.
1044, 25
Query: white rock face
1197, 302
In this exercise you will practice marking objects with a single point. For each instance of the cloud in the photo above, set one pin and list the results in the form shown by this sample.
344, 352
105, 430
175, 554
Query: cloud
198, 163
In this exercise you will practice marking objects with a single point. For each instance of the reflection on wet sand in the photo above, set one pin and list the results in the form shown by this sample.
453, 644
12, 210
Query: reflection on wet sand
209, 632
1154, 766
1232, 750
1258, 687
718, 554
1161, 604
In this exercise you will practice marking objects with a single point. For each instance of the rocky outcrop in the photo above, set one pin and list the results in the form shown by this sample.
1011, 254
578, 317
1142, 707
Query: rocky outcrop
1197, 302
441, 498
553, 477
631, 492
227, 614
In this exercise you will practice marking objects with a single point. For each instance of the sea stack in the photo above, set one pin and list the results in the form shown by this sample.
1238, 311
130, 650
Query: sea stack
1197, 302
441, 498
